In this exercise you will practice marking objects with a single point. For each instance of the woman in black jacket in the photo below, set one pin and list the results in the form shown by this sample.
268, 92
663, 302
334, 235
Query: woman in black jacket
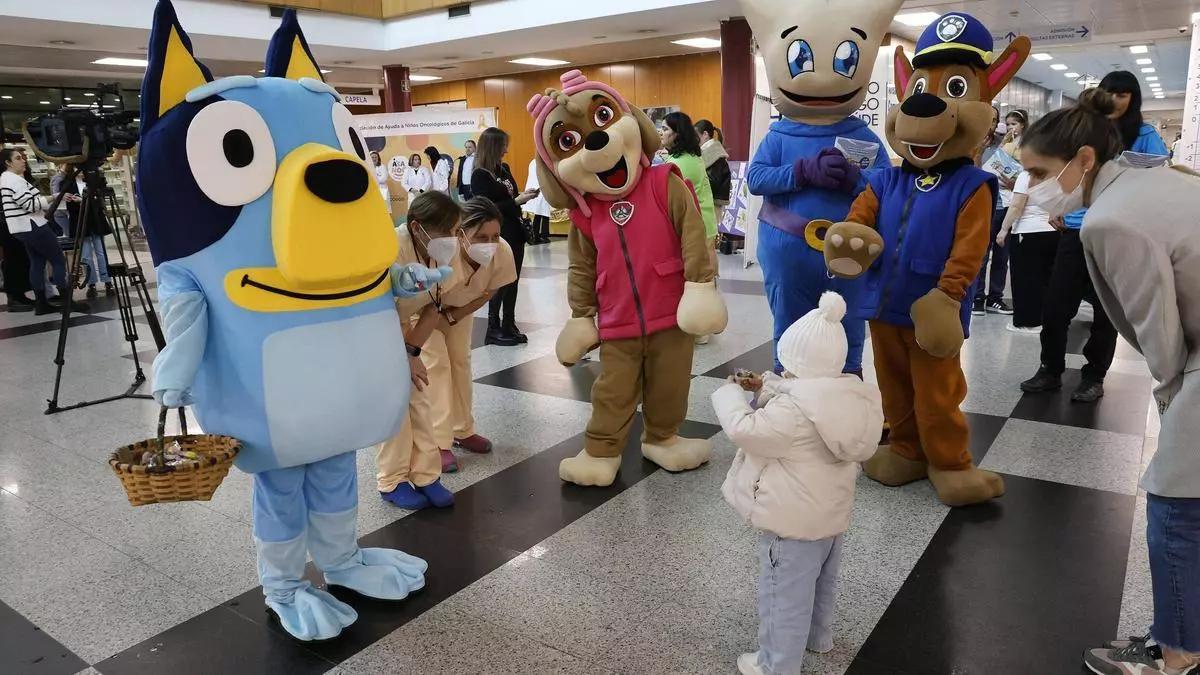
716, 163
492, 179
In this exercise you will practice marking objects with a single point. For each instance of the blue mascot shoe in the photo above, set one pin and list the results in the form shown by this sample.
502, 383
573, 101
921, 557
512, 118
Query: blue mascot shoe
313, 615
406, 497
437, 494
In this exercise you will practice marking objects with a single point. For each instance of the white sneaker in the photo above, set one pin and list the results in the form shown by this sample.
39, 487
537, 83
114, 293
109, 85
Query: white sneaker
748, 664
1026, 330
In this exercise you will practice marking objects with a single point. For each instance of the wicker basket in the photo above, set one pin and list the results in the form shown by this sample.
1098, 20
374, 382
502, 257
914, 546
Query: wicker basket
196, 480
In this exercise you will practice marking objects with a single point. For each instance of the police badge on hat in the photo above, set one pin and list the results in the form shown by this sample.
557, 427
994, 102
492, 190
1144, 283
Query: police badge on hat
950, 27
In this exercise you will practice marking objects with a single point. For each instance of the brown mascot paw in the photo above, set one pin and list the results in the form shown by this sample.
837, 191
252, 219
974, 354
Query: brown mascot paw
850, 249
938, 324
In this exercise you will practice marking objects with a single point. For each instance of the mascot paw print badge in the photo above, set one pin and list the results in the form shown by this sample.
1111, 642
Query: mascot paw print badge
621, 212
950, 27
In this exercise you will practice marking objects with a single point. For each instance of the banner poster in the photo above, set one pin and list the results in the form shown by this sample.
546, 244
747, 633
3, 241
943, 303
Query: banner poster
393, 138
762, 116
733, 218
881, 96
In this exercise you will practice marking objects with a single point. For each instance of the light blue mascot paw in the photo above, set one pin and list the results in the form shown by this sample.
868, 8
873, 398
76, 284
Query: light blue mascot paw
313, 615
412, 279
384, 573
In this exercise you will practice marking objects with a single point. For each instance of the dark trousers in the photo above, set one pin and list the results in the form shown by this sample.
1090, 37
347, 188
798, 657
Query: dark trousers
1032, 263
15, 264
541, 225
42, 247
991, 289
1069, 285
502, 308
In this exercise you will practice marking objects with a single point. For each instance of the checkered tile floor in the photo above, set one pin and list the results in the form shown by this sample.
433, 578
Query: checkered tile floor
653, 575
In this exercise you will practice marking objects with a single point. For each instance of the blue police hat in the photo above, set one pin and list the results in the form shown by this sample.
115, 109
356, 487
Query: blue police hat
954, 37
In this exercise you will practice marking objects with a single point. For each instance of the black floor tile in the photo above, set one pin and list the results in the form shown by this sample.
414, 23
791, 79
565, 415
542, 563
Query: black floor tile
741, 287
1122, 410
51, 325
25, 648
1020, 585
546, 375
984, 430
760, 360
217, 641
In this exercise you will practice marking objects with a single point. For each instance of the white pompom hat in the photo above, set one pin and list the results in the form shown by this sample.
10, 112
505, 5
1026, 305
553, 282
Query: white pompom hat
815, 346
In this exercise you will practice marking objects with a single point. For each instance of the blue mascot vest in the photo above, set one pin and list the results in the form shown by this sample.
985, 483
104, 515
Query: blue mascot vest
917, 226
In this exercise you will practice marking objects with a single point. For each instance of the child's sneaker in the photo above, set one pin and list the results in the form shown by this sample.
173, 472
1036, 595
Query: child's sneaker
748, 664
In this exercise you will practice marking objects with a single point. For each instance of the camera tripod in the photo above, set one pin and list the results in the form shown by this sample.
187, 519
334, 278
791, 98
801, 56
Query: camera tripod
99, 201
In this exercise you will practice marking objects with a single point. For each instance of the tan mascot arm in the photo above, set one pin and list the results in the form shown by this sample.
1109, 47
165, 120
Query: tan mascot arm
701, 309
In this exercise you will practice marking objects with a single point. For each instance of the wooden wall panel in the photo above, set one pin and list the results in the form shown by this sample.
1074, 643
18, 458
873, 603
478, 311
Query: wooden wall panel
368, 8
394, 8
692, 82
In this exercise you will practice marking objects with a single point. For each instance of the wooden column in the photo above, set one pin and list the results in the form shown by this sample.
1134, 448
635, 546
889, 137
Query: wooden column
397, 89
737, 87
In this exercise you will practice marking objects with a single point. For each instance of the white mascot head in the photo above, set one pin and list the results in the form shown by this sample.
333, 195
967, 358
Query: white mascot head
819, 53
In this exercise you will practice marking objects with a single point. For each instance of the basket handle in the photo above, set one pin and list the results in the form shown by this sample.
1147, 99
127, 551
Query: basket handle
159, 463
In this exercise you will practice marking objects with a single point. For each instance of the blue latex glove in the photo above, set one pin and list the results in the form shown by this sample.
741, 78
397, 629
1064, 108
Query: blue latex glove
185, 320
412, 279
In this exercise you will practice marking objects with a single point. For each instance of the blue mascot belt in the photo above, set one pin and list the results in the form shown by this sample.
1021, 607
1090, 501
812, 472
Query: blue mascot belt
811, 230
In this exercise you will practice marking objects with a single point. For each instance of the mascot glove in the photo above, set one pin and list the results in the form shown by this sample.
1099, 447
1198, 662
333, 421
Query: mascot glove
577, 338
939, 330
701, 309
173, 398
413, 279
850, 249
829, 170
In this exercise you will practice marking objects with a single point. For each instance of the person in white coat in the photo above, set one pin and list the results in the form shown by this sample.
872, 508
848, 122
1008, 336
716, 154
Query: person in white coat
793, 479
417, 180
538, 206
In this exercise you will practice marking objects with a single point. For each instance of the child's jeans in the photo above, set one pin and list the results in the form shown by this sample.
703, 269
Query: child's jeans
797, 590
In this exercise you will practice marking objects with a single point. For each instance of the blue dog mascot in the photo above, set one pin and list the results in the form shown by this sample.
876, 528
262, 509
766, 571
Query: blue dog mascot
277, 277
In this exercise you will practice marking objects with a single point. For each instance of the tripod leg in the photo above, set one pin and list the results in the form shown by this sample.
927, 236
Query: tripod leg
60, 356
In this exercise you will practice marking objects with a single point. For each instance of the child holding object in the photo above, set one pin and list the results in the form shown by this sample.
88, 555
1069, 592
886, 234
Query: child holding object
793, 479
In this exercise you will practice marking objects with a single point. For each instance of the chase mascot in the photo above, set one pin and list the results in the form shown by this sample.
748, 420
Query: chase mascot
641, 283
819, 56
275, 267
930, 219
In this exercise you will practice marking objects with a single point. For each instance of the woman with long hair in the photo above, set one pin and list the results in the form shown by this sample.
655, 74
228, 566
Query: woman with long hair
1142, 248
440, 167
493, 179
716, 164
417, 179
1069, 283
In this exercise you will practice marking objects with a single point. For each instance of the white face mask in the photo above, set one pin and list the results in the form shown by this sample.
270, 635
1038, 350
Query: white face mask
482, 253
441, 249
1050, 196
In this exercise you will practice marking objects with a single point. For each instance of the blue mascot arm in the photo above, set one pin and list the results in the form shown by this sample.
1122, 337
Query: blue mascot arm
769, 174
412, 279
185, 319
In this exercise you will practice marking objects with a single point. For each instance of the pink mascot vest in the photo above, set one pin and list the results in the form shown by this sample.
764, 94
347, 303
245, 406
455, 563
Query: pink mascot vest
639, 260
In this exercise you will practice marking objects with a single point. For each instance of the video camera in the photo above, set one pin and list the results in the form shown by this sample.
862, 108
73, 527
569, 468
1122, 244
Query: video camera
83, 135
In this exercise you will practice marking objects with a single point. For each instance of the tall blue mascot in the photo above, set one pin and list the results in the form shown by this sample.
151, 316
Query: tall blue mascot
276, 271
819, 57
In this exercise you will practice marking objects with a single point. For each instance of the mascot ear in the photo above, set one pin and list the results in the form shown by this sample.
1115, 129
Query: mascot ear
552, 189
1006, 66
288, 54
650, 138
172, 70
904, 72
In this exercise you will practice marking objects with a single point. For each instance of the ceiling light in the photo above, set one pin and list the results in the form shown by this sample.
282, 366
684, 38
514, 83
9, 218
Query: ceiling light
423, 78
1152, 78
326, 72
61, 42
917, 19
1042, 57
78, 105
44, 102
6, 97
698, 43
1139, 49
1071, 75
536, 61
1144, 62
117, 61
88, 94
66, 98
1148, 70
1058, 66
1159, 96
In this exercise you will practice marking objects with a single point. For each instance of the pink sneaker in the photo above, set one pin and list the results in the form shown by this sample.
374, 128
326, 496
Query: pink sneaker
476, 444
449, 462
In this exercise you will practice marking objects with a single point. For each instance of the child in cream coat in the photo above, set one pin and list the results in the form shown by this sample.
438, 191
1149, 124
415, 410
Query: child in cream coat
793, 479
